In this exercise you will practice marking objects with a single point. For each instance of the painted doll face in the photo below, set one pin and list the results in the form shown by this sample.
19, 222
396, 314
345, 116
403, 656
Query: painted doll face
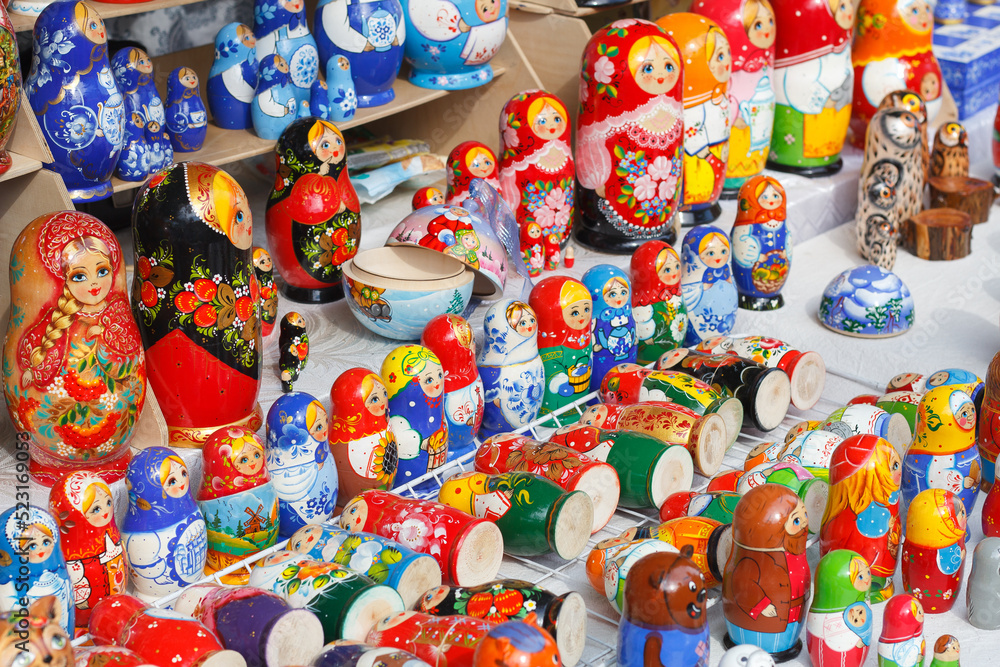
950, 652
241, 226
857, 616
960, 515
188, 79
797, 522
715, 254
917, 15
469, 241
918, 612
319, 429
481, 165
355, 515
93, 29
965, 412
843, 14
305, 538
761, 31
281, 64
930, 86
36, 544
863, 579
432, 379
577, 314
99, 512
433, 597
249, 461
525, 324
89, 278
670, 272
246, 36
294, 6
895, 468
617, 295
488, 10
435, 197
175, 484
594, 416
657, 73
143, 63
534, 231
343, 63
721, 61
549, 123
770, 198
328, 147
375, 402
263, 261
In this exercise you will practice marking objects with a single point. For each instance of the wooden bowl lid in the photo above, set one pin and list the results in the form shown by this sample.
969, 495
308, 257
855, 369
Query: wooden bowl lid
408, 263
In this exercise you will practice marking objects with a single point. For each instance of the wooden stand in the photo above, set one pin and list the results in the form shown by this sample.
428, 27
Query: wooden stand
963, 193
938, 234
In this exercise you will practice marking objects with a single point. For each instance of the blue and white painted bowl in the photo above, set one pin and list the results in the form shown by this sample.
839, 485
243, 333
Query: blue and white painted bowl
867, 302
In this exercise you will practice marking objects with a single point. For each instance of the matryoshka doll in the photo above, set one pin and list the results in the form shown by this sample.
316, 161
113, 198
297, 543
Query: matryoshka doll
710, 296
933, 558
627, 166
901, 643
862, 509
414, 380
613, 323
237, 499
74, 96
302, 471
192, 228
429, 196
946, 652
342, 100
813, 83
516, 644
263, 268
361, 440
469, 160
10, 85
439, 640
34, 566
839, 623
563, 307
510, 366
749, 27
988, 439
187, 120
281, 29
146, 145
450, 338
232, 81
707, 67
274, 105
313, 215
657, 304
762, 244
348, 652
293, 349
82, 505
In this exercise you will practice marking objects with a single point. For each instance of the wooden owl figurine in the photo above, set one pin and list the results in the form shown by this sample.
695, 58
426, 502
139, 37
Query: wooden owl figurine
34, 637
469, 160
877, 219
951, 151
293, 345
232, 81
839, 624
908, 100
901, 643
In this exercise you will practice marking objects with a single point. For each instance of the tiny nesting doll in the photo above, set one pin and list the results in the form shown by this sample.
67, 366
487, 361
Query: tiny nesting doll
187, 120
762, 244
414, 380
450, 338
429, 196
82, 505
32, 636
342, 97
813, 84
74, 96
510, 366
766, 580
563, 307
146, 145
313, 215
989, 424
293, 346
263, 268
839, 624
361, 441
982, 595
516, 644
946, 652
533, 248
657, 304
281, 28
34, 566
469, 160
232, 81
319, 99
710, 296
933, 556
613, 323
298, 460
10, 86
901, 643
274, 105
164, 531
76, 373
628, 167
951, 151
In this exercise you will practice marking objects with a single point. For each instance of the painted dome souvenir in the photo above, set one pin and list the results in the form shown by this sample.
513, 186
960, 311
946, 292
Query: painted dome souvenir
187, 119
466, 161
74, 96
76, 373
274, 105
10, 85
450, 337
232, 81
629, 135
867, 302
281, 28
710, 296
195, 298
762, 244
660, 315
313, 215
146, 147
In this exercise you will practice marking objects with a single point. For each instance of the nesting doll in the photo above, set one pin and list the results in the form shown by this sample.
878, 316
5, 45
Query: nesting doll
862, 509
429, 196
195, 300
348, 652
450, 338
839, 623
901, 643
933, 555
274, 105
749, 27
232, 81
657, 304
32, 636
762, 244
303, 473
710, 296
946, 652
319, 99
877, 222
989, 423
263, 268
951, 151
293, 346
982, 595
440, 640
74, 96
813, 84
164, 530
613, 323
313, 215
342, 98
34, 566
414, 380
511, 369
82, 505
628, 167
106, 656
187, 119
516, 644
281, 29
563, 307
10, 86
469, 160
361, 441
146, 145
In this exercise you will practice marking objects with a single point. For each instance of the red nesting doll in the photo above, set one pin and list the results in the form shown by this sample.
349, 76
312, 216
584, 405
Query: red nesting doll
469, 160
933, 557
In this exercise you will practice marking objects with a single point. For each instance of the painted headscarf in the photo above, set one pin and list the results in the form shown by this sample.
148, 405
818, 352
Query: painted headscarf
835, 577
233, 47
127, 75
177, 91
698, 37
296, 157
946, 422
350, 418
759, 520
932, 519
459, 177
271, 15
899, 621
69, 501
962, 379
735, 21
806, 30
270, 74
884, 31
548, 299
15, 525
865, 632
596, 280
150, 508
693, 269
450, 337
517, 138
225, 449
503, 344
749, 210
647, 260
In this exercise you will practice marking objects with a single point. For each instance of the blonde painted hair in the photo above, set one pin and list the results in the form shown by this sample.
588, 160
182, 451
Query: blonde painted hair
536, 107
90, 495
751, 9
611, 283
865, 486
636, 54
313, 411
165, 467
514, 311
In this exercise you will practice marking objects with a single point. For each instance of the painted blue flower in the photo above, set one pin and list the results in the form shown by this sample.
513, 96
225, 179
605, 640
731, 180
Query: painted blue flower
227, 48
294, 440
304, 66
263, 12
73, 128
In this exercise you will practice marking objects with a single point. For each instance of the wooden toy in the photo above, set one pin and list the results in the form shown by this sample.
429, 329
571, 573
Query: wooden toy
349, 653
469, 160
710, 296
951, 151
534, 514
274, 105
717, 505
982, 595
293, 349
414, 380
901, 402
766, 581
342, 97
664, 619
868, 419
657, 305
617, 213
146, 144
439, 640
516, 644
76, 373
263, 268
746, 655
106, 656
933, 552
761, 243
765, 452
971, 196
191, 224
914, 382
613, 327
281, 29
958, 378
232, 81
938, 234
901, 643
10, 88
812, 491
884, 309
429, 196
33, 637
187, 119
164, 531
608, 569
946, 651
813, 450
839, 623
988, 421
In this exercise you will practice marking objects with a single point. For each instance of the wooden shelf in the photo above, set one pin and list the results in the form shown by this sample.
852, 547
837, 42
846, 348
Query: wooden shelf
108, 10
20, 165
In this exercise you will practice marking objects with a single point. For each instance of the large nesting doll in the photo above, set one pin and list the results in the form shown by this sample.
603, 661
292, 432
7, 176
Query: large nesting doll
232, 81
762, 244
281, 28
187, 119
613, 323
313, 215
710, 296
75, 379
10, 86
839, 624
146, 145
932, 561
469, 160
901, 643
195, 298
813, 83
75, 98
629, 135
657, 305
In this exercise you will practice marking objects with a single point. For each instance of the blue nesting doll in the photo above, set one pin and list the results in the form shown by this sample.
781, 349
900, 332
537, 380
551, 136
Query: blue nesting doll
281, 28
274, 104
298, 458
340, 88
511, 369
187, 120
146, 148
761, 244
319, 99
164, 532
614, 335
33, 563
959, 378
73, 93
707, 284
232, 81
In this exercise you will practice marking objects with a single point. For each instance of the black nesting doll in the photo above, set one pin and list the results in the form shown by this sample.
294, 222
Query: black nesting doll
293, 346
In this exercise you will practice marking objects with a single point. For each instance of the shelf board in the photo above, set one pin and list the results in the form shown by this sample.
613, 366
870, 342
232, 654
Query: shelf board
108, 10
20, 165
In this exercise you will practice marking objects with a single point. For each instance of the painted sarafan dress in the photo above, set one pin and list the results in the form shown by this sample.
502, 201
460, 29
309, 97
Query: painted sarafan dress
232, 81
286, 33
